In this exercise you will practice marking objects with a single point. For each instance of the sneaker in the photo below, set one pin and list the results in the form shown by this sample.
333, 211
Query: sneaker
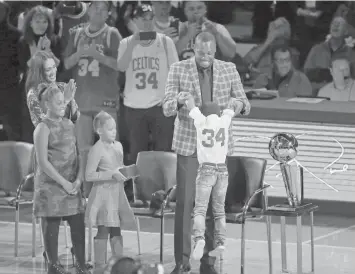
198, 249
217, 251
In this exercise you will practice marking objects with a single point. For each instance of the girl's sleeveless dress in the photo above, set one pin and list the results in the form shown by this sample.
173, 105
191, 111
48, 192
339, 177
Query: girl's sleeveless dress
107, 204
50, 198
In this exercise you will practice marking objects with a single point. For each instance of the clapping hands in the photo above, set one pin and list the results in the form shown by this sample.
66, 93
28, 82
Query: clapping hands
69, 91
210, 26
90, 51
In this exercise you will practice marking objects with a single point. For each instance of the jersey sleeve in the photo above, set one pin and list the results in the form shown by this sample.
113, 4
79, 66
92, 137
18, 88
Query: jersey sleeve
226, 117
199, 118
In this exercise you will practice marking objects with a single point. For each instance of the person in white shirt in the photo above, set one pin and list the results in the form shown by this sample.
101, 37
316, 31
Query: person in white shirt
212, 175
146, 57
342, 88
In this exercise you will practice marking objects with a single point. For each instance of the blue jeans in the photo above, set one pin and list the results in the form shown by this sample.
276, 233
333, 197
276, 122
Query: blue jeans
212, 180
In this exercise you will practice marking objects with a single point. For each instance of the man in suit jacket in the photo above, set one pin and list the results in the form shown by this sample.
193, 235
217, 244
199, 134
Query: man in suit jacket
207, 80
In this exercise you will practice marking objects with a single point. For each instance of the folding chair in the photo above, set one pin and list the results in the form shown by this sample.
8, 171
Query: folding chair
17, 166
245, 197
17, 177
157, 172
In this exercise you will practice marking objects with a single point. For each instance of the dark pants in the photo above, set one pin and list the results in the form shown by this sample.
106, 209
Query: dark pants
50, 228
143, 122
186, 173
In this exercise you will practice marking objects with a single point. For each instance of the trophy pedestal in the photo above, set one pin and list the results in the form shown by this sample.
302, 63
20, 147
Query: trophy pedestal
286, 211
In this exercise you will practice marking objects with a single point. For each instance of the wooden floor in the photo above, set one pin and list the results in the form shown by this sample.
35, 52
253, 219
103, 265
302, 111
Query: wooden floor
334, 252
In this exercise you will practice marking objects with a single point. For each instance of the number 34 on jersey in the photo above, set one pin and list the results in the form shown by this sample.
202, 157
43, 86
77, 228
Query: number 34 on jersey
214, 137
89, 67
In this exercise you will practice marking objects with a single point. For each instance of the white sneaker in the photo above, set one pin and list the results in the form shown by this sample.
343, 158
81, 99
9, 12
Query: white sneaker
217, 251
198, 249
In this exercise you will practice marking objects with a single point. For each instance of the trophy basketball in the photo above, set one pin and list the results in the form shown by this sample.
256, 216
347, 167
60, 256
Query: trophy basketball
283, 148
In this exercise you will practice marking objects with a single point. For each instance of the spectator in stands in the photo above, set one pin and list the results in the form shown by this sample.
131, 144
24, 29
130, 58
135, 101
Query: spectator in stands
259, 58
124, 23
71, 15
42, 73
25, 7
37, 35
311, 24
342, 87
284, 77
10, 108
319, 58
163, 22
195, 12
92, 53
268, 11
347, 11
146, 62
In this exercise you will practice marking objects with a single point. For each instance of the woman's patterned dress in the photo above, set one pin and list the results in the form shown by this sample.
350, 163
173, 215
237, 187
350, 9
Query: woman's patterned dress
50, 198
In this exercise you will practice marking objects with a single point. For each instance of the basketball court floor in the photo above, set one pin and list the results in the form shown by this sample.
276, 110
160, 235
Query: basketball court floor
334, 246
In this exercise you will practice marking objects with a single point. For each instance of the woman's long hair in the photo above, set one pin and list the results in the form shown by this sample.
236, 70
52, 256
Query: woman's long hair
36, 75
28, 33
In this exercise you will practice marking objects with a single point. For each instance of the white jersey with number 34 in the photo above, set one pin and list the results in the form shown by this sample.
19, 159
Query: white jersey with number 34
212, 135
147, 72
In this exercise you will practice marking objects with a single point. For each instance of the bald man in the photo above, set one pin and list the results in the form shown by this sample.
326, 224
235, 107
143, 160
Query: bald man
206, 80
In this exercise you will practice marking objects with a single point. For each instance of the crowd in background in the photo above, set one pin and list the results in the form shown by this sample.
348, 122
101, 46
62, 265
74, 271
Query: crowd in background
302, 49
303, 44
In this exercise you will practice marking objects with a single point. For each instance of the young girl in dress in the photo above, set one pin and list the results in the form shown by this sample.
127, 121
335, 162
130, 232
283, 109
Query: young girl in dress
108, 206
58, 178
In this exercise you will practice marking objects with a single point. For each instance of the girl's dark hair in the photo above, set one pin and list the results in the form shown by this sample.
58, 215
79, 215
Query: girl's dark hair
28, 34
